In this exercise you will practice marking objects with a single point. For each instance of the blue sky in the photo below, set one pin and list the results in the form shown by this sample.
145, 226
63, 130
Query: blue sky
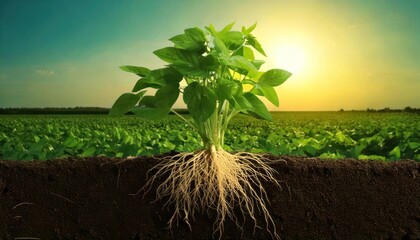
345, 54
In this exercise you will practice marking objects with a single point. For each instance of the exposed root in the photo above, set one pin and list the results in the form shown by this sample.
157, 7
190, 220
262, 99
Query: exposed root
203, 180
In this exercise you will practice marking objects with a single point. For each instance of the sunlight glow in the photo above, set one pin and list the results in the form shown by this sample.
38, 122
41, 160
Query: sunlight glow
290, 57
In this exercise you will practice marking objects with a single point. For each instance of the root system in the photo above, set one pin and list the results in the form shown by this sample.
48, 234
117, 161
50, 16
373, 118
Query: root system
206, 180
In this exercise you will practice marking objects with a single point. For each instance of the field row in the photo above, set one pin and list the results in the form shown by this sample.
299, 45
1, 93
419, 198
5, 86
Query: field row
382, 136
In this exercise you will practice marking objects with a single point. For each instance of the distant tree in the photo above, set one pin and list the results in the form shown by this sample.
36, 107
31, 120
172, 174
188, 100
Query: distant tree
408, 109
411, 110
57, 110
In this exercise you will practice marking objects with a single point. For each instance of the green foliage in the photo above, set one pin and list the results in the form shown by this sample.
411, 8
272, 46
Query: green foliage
362, 136
274, 77
215, 65
140, 71
125, 103
257, 106
200, 100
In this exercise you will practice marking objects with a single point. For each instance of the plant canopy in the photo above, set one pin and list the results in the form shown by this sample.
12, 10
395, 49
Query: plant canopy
215, 65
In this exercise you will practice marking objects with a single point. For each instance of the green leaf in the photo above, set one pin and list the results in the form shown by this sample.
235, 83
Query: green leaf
167, 144
270, 94
158, 78
166, 75
258, 106
242, 104
202, 68
245, 52
200, 100
396, 153
371, 157
258, 63
241, 63
228, 27
274, 77
141, 94
247, 31
218, 43
177, 56
226, 89
188, 63
257, 90
140, 71
194, 40
239, 88
340, 137
196, 33
209, 63
167, 96
414, 145
70, 142
253, 42
89, 152
151, 113
357, 150
310, 150
211, 30
232, 39
124, 104
348, 141
164, 98
255, 75
142, 84
148, 101
183, 41
220, 46
251, 28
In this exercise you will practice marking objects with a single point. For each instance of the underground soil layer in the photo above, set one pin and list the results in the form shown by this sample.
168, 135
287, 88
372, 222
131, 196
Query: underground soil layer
94, 198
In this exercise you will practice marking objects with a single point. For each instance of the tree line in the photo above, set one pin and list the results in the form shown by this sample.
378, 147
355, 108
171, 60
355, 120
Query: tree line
54, 110
387, 109
64, 111
105, 111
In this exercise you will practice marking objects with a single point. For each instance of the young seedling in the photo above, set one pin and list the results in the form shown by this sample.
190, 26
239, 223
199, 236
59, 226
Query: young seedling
216, 65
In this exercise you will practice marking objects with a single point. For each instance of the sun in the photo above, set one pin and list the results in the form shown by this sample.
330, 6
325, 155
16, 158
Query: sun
289, 57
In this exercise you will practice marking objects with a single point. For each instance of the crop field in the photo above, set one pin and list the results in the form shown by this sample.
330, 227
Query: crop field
360, 135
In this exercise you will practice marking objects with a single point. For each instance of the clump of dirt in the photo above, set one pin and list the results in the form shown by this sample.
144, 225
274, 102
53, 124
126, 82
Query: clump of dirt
92, 198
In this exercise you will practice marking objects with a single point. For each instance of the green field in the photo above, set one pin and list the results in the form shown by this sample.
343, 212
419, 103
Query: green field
361, 135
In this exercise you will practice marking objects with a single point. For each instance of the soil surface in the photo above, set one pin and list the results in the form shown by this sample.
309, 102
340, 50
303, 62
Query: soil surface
319, 199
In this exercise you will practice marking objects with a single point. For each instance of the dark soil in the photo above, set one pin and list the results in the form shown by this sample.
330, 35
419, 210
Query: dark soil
320, 199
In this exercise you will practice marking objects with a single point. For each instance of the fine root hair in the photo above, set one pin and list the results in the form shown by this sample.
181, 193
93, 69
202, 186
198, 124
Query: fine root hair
197, 182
